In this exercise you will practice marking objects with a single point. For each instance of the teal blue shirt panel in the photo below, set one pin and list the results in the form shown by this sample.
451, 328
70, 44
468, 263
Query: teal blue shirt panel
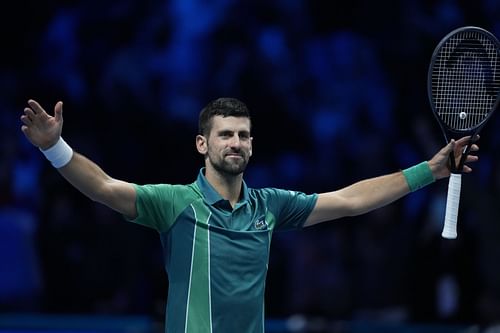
159, 205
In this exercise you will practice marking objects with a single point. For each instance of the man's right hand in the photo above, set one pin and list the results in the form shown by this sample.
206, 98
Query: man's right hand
41, 129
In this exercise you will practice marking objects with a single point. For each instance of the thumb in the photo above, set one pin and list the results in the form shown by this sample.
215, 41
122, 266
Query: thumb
58, 111
451, 146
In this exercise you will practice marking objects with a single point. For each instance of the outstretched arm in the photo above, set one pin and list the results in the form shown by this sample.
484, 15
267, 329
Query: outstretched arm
373, 193
44, 131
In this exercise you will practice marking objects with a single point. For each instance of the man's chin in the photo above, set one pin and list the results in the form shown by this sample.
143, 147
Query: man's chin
233, 170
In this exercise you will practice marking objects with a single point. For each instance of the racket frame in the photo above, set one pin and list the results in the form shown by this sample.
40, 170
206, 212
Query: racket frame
454, 186
448, 132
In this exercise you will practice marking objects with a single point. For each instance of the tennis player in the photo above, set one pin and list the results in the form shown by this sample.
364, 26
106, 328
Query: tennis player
216, 231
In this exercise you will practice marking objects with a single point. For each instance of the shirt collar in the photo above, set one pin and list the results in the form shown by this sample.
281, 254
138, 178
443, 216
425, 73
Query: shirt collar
211, 195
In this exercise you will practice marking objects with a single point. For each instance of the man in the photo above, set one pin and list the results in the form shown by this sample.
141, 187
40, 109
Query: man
216, 232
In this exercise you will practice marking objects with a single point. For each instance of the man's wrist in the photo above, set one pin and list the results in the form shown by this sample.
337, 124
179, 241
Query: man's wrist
59, 154
419, 176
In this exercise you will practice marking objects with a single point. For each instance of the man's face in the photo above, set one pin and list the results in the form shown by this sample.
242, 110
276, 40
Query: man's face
229, 145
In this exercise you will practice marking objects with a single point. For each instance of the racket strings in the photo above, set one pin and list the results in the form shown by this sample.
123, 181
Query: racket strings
466, 80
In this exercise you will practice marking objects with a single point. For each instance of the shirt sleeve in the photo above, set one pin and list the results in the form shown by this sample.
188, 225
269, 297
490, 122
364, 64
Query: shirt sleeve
155, 206
291, 208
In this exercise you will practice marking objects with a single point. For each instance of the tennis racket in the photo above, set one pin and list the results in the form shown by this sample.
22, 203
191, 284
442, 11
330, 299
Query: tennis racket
463, 85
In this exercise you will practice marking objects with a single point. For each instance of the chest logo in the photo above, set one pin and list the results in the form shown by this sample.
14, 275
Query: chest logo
261, 223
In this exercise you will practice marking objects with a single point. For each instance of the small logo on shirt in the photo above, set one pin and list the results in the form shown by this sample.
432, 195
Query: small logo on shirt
261, 223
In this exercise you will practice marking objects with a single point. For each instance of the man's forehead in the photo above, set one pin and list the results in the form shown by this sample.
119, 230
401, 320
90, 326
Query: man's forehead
230, 123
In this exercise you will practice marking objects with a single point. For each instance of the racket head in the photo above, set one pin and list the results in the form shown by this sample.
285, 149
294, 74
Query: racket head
463, 81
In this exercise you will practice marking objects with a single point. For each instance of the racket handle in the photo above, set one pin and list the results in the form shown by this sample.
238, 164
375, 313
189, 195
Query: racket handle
452, 202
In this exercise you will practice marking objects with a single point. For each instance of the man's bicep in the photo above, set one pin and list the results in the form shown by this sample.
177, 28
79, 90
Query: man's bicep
291, 208
329, 206
122, 198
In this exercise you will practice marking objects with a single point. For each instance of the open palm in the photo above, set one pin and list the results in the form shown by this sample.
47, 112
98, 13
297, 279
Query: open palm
42, 129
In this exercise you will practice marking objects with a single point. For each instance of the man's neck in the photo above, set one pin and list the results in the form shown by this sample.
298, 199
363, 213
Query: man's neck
228, 186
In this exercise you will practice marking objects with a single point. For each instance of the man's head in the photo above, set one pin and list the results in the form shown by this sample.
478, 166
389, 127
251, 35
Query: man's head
225, 107
224, 137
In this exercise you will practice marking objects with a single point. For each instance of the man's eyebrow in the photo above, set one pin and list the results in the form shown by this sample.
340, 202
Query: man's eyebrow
225, 131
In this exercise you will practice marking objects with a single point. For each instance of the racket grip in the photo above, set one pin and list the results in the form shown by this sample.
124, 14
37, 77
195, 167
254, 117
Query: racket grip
452, 202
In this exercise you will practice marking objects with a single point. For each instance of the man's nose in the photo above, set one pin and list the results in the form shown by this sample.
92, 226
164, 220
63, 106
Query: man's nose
235, 141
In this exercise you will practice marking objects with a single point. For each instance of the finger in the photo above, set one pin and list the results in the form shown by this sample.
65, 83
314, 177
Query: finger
471, 158
466, 149
36, 107
463, 141
467, 169
474, 147
28, 112
26, 120
58, 110
449, 147
25, 130
464, 138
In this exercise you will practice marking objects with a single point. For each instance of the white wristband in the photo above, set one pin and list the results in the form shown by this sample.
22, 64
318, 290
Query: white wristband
59, 154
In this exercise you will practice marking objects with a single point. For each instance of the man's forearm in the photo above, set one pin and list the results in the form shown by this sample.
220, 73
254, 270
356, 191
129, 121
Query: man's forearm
359, 198
86, 176
92, 181
374, 193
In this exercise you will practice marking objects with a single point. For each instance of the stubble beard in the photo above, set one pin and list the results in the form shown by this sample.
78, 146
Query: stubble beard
226, 168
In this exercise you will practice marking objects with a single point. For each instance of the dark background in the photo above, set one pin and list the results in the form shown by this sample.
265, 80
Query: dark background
337, 92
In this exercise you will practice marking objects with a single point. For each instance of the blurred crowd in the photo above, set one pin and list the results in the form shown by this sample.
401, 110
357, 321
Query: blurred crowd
337, 93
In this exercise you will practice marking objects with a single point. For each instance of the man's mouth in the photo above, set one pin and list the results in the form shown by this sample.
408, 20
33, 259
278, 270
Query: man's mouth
233, 155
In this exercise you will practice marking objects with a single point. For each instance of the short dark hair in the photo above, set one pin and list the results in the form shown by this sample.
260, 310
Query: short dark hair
225, 107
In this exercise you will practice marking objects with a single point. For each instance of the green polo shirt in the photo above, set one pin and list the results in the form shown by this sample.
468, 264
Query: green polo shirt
215, 256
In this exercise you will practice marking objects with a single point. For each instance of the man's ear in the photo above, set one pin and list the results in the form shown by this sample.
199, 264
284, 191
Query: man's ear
201, 144
251, 146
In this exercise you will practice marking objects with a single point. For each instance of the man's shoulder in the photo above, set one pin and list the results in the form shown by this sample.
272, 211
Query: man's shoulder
278, 194
164, 188
267, 192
